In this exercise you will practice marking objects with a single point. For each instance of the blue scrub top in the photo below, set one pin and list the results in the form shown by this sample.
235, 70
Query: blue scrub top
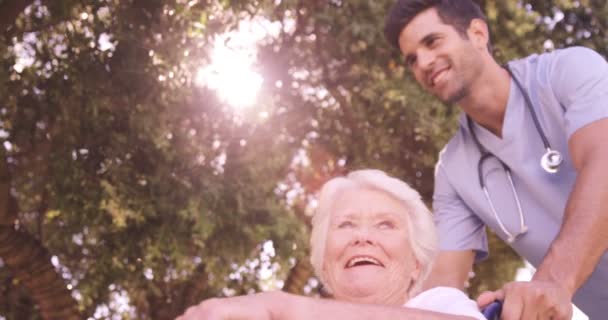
568, 89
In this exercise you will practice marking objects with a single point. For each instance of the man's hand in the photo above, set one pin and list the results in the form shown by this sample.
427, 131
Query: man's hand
531, 300
252, 307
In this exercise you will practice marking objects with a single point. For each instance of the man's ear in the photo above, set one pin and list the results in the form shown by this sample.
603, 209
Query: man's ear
479, 33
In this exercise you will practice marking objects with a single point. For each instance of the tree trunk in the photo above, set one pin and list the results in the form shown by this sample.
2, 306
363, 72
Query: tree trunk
195, 288
298, 277
30, 262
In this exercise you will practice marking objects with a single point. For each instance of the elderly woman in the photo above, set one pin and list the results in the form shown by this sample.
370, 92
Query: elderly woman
372, 245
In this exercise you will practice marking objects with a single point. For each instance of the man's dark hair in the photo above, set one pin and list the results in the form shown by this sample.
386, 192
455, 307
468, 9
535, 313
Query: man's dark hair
457, 13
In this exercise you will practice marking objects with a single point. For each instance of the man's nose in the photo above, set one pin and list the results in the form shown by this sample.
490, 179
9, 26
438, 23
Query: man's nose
426, 59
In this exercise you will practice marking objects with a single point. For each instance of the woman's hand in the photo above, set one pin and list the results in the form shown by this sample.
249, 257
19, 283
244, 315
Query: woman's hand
261, 306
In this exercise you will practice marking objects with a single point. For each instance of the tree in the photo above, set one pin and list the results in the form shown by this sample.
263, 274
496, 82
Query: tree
131, 177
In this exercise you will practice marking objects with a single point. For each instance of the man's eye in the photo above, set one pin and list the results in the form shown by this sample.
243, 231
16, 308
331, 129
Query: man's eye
432, 42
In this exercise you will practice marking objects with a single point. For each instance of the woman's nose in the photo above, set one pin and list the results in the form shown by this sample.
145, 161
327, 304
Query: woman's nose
363, 236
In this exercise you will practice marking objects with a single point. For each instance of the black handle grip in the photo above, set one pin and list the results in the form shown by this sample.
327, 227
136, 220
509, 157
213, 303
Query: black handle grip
492, 311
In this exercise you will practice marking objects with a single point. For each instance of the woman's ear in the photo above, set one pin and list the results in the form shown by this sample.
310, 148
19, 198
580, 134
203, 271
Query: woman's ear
417, 271
323, 280
479, 34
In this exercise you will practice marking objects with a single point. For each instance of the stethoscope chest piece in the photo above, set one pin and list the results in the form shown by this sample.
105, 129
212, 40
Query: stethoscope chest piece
551, 160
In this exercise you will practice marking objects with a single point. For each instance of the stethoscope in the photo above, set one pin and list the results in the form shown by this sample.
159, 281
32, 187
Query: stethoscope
550, 162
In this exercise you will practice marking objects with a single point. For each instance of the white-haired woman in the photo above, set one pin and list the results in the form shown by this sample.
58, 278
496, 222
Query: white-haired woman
372, 244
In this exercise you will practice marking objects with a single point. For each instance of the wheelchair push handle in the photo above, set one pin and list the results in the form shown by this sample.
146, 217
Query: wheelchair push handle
492, 311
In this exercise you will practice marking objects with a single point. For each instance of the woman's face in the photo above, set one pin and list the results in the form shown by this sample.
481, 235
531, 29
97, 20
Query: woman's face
368, 257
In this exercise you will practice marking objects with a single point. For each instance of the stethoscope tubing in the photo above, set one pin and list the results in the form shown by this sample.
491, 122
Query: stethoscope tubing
530, 106
548, 163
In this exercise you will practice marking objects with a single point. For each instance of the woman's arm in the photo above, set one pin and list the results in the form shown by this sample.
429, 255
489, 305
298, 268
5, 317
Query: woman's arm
283, 306
451, 269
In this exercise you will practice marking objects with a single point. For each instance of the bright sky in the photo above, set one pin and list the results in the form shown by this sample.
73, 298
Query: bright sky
231, 71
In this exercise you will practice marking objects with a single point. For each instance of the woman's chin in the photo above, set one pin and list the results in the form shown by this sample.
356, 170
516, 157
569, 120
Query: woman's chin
362, 292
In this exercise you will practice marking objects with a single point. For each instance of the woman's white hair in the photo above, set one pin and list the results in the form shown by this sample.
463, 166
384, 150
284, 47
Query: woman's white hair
421, 229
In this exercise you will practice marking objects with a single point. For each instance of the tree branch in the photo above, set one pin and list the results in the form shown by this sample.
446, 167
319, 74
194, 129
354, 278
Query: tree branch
10, 11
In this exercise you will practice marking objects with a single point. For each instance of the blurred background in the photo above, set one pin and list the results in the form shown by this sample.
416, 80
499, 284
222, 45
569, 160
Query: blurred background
155, 153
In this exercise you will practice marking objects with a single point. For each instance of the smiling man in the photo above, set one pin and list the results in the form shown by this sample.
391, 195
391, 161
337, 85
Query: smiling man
528, 160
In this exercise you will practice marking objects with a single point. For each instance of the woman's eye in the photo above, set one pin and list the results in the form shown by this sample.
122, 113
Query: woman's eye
386, 225
345, 224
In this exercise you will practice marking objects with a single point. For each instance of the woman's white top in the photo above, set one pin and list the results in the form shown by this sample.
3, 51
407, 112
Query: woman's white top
446, 300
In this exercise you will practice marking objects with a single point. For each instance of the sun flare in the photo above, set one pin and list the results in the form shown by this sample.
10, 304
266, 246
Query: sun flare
231, 72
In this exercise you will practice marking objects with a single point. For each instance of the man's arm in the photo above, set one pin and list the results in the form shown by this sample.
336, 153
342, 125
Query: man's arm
580, 243
583, 237
451, 269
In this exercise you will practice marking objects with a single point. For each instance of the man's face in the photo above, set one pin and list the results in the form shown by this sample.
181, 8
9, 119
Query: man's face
441, 59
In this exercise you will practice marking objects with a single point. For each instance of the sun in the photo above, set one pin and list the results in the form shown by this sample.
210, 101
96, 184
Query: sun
231, 75
231, 71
